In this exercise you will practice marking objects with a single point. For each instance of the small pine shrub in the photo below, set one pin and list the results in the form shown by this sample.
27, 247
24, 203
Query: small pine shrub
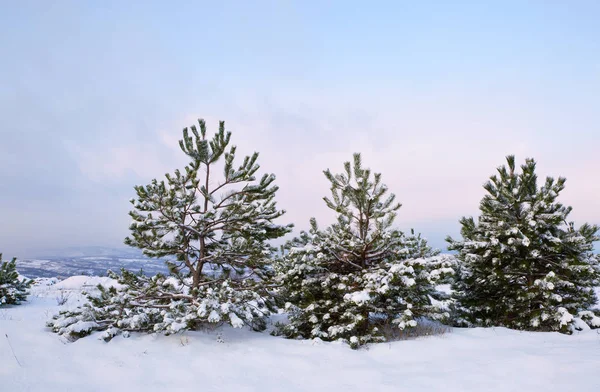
359, 277
13, 289
523, 264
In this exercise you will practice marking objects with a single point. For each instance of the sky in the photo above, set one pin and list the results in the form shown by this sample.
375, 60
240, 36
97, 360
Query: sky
94, 95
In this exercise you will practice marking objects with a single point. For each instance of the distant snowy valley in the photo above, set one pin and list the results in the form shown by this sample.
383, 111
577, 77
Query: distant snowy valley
91, 261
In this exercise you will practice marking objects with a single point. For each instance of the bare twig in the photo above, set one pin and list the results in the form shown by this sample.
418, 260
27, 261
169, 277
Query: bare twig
13, 351
63, 298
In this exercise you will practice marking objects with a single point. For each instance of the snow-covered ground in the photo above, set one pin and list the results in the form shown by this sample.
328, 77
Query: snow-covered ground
493, 359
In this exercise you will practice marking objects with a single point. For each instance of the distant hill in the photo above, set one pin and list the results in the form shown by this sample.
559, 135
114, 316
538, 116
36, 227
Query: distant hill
92, 251
92, 260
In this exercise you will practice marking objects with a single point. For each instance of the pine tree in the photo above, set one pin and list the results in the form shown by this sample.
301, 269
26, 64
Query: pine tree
13, 290
523, 265
355, 277
222, 227
214, 221
417, 246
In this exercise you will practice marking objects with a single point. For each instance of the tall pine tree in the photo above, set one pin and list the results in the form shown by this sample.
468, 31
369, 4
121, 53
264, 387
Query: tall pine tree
213, 221
355, 277
523, 265
216, 221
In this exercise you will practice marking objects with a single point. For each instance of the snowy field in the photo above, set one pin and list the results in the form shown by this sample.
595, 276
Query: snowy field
492, 359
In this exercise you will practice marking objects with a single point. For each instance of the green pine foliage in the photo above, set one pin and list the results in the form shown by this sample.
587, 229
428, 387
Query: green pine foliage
213, 221
165, 304
417, 247
348, 281
13, 290
207, 223
523, 265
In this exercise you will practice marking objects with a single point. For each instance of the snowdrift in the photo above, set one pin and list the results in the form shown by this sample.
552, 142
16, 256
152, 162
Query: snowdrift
479, 359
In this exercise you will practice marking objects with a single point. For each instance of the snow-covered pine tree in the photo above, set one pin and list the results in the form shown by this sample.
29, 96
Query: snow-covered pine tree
354, 278
13, 289
214, 221
522, 264
417, 247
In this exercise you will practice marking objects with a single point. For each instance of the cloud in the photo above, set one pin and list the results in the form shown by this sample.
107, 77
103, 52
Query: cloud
117, 162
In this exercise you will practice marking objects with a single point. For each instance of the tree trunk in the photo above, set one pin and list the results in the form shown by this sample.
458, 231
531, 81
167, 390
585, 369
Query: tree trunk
196, 273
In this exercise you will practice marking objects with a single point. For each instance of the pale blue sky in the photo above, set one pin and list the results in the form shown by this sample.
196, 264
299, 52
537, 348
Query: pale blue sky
93, 97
